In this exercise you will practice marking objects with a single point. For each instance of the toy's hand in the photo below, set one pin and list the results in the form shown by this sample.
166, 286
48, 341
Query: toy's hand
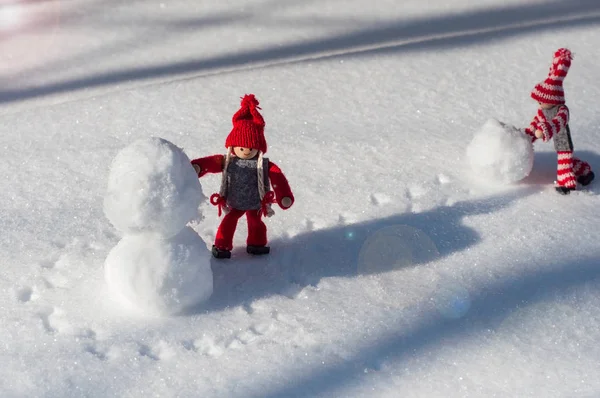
197, 168
208, 164
286, 202
539, 133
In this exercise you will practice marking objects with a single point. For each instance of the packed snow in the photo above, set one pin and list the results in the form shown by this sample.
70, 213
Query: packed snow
395, 273
160, 275
160, 266
500, 153
152, 187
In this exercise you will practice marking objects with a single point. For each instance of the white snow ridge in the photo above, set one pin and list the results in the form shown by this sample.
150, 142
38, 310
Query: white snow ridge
160, 266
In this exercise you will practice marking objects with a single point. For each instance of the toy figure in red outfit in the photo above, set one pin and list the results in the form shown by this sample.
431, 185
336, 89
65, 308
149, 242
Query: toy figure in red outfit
552, 122
246, 178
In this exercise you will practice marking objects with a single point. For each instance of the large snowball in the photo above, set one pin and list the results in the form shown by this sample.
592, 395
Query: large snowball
500, 153
160, 276
152, 187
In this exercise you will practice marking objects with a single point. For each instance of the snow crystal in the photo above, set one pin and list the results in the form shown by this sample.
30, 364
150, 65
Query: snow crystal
160, 276
152, 187
500, 153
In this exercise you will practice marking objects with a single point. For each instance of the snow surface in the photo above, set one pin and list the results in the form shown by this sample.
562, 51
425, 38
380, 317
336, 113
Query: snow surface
369, 109
500, 153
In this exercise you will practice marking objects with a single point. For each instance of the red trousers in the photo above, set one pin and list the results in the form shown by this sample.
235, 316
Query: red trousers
257, 230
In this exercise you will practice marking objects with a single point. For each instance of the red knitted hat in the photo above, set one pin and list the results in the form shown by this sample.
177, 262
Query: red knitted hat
550, 91
248, 126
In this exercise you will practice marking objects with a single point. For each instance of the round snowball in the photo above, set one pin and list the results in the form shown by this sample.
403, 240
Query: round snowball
160, 276
500, 153
152, 187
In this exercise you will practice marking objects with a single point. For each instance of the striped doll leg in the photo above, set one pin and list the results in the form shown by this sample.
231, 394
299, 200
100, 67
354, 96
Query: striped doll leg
581, 168
565, 176
583, 171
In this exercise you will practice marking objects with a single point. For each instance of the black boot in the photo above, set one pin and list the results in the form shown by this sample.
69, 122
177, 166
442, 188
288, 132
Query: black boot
564, 190
586, 179
258, 250
220, 253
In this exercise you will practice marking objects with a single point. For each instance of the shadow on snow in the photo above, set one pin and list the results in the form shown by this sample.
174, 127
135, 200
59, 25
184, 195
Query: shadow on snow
457, 29
488, 309
545, 164
370, 247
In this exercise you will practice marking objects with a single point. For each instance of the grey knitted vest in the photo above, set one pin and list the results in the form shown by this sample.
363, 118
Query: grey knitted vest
562, 139
242, 183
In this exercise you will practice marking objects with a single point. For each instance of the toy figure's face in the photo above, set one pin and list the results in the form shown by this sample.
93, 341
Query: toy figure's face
244, 153
546, 106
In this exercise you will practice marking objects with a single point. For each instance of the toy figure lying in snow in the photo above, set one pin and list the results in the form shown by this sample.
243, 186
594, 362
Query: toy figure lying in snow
552, 122
246, 177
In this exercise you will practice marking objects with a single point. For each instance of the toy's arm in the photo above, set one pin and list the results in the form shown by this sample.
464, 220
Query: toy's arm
283, 192
530, 131
209, 164
551, 128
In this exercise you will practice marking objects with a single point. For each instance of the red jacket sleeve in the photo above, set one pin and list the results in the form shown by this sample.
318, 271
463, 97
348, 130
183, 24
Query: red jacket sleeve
210, 164
280, 185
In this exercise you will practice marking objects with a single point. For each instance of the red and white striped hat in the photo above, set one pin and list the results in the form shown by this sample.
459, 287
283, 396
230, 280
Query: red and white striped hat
550, 91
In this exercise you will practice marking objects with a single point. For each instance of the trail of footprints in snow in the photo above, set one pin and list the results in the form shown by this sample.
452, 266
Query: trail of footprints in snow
25, 294
162, 350
412, 193
215, 347
257, 333
53, 274
380, 199
30, 292
54, 319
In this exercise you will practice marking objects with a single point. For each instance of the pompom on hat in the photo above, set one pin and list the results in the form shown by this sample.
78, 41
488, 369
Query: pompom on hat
550, 91
248, 126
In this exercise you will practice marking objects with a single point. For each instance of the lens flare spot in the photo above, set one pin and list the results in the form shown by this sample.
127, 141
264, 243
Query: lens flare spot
452, 301
395, 247
350, 235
